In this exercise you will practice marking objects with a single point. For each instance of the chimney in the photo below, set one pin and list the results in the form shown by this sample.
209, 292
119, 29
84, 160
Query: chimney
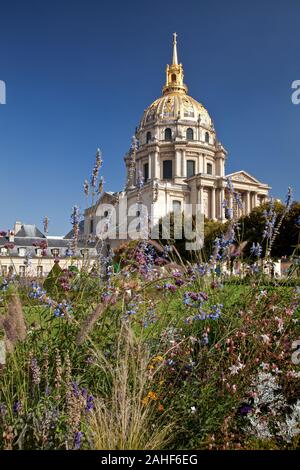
11, 236
18, 226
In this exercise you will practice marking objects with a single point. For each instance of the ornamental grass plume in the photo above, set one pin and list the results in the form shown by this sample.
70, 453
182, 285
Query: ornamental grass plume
122, 420
13, 323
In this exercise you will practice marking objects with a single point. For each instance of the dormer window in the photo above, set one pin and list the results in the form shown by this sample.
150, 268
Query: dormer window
22, 251
55, 252
3, 251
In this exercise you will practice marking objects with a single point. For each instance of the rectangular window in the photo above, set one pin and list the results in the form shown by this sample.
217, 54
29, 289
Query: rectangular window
3, 251
39, 271
209, 169
55, 252
91, 225
22, 271
4, 270
176, 207
146, 172
190, 168
167, 170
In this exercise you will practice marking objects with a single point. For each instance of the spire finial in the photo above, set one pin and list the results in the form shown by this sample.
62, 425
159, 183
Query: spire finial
174, 73
175, 58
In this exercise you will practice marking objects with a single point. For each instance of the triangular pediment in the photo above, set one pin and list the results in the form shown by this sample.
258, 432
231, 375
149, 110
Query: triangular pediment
243, 177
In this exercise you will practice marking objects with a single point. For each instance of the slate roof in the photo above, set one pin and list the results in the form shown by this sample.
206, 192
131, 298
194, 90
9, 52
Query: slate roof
29, 236
30, 231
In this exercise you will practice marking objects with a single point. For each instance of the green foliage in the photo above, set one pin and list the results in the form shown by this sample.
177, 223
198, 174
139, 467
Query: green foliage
51, 283
286, 240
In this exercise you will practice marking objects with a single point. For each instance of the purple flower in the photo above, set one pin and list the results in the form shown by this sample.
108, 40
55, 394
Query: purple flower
256, 250
75, 215
216, 311
75, 389
89, 403
77, 440
244, 410
289, 198
17, 406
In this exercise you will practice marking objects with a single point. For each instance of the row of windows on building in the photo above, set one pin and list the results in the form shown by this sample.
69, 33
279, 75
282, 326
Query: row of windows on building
168, 135
55, 252
5, 270
168, 169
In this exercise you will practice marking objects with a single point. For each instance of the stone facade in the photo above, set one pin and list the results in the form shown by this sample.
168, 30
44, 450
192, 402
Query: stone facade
177, 154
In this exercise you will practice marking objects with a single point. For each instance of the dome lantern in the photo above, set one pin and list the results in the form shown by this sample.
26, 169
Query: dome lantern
174, 73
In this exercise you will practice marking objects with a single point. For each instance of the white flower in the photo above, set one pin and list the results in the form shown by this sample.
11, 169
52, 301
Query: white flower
193, 409
280, 324
237, 367
266, 339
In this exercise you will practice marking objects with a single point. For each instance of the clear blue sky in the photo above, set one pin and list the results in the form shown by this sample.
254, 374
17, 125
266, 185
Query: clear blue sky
80, 73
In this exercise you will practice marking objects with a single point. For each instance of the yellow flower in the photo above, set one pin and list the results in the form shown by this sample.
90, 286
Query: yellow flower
158, 359
145, 401
152, 395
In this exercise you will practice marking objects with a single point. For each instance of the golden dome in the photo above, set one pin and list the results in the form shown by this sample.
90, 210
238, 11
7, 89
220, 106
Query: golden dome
175, 103
173, 106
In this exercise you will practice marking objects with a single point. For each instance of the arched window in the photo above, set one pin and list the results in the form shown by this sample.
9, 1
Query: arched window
167, 170
190, 168
168, 134
207, 137
173, 77
146, 172
189, 134
148, 137
209, 169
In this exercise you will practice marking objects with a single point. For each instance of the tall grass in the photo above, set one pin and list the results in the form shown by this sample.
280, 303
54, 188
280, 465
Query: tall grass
128, 418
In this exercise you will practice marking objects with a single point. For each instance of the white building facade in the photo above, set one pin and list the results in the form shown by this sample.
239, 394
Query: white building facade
176, 159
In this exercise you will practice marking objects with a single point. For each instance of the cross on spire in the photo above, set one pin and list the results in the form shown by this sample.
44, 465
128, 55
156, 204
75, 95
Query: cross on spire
175, 57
